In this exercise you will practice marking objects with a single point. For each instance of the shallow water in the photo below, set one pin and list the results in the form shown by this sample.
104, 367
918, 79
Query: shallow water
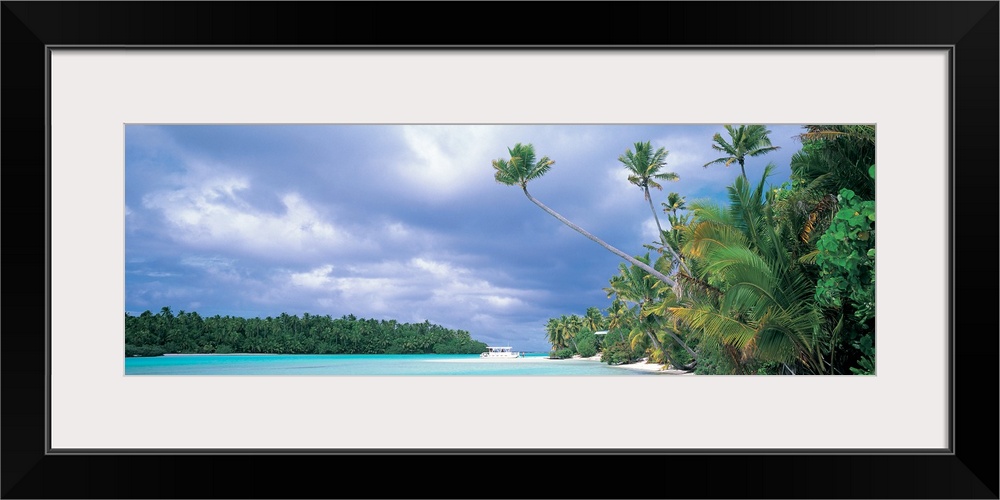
367, 365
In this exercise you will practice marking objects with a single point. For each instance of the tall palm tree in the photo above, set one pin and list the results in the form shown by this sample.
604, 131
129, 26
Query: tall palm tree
644, 167
674, 237
594, 320
571, 326
674, 203
522, 168
618, 317
745, 140
553, 331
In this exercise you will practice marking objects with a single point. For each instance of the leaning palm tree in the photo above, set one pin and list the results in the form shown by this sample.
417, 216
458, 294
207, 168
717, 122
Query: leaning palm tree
644, 167
745, 140
522, 167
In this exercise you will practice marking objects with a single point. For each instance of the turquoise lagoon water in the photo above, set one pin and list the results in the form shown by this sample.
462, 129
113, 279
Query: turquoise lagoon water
367, 365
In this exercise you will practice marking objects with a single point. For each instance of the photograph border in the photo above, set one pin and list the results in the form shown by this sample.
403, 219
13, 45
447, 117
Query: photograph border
31, 29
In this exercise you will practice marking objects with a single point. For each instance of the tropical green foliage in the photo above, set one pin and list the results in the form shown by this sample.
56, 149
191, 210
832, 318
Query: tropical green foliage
151, 334
837, 165
647, 321
744, 141
586, 343
562, 353
587, 348
619, 352
788, 272
846, 257
835, 157
569, 331
522, 167
779, 280
765, 308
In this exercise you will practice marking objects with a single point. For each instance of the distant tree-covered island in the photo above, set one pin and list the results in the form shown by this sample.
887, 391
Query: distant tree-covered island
150, 334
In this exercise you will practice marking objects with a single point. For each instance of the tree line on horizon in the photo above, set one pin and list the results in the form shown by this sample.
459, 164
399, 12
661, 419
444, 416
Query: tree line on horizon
779, 280
149, 334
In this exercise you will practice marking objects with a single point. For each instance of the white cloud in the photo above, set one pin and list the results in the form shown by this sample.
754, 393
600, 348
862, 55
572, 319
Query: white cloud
502, 302
437, 269
207, 262
650, 231
219, 268
160, 274
398, 231
316, 278
211, 213
421, 288
685, 153
448, 160
619, 195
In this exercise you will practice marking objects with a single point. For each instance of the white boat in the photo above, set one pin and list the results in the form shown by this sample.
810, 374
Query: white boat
504, 352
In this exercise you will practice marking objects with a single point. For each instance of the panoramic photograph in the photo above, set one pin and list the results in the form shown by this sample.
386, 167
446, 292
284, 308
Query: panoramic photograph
499, 250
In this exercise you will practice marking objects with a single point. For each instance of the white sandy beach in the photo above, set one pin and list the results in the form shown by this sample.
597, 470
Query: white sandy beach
641, 365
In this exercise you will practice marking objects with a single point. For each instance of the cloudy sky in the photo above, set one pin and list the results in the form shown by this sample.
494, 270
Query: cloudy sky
400, 222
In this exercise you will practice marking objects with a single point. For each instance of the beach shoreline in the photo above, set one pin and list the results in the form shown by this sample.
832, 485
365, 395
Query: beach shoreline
642, 365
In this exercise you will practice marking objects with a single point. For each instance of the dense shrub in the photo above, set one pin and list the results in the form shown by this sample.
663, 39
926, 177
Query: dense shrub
618, 353
587, 347
563, 353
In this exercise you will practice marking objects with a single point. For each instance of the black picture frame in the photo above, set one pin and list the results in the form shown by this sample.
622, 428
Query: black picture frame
970, 470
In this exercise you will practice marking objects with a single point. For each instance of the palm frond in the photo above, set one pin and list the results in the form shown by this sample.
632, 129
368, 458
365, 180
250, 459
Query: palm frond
727, 260
710, 235
713, 324
818, 134
693, 287
775, 344
826, 205
725, 160
539, 169
864, 133
809, 258
760, 151
710, 212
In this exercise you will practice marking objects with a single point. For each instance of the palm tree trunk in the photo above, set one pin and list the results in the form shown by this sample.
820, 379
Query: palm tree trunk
660, 229
662, 277
681, 343
659, 347
743, 170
